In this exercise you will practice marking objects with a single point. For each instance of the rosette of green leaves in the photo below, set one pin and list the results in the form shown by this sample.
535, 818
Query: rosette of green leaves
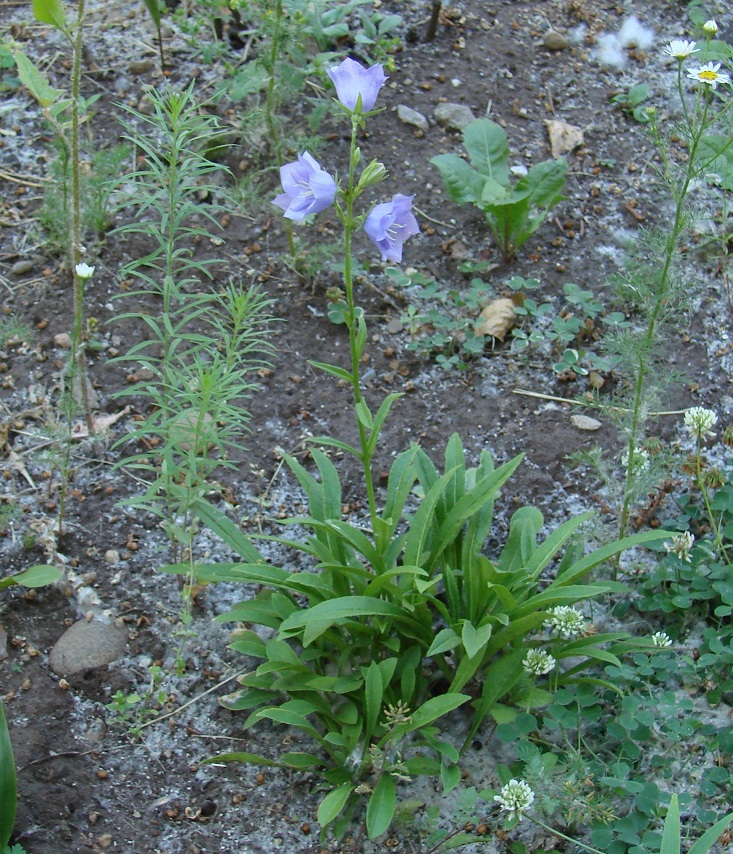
514, 213
491, 611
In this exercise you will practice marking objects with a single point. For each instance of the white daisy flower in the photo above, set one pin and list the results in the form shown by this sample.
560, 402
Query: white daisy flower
709, 74
680, 49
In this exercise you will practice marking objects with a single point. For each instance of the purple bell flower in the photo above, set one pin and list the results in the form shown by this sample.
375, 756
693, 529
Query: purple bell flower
388, 225
352, 79
308, 188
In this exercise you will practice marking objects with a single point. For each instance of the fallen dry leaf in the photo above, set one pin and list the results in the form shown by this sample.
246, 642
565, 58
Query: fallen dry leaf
563, 137
100, 423
497, 318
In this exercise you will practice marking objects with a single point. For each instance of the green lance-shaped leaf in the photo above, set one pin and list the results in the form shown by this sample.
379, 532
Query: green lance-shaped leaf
8, 791
34, 576
381, 806
34, 81
333, 803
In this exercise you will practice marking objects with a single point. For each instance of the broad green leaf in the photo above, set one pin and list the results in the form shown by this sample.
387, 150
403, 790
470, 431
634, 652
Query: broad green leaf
34, 81
445, 640
544, 182
462, 183
8, 786
300, 759
50, 12
34, 576
488, 148
475, 639
381, 806
333, 803
450, 777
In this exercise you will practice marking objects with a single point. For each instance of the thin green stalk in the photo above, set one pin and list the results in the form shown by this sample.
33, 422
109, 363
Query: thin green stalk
722, 551
559, 833
353, 322
78, 356
269, 105
654, 317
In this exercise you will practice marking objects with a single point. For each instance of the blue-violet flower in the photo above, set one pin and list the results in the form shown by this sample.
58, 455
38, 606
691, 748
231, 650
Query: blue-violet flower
388, 225
308, 188
352, 79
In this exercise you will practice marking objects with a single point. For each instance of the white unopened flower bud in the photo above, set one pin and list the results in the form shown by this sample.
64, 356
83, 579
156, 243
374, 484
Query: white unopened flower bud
84, 271
710, 27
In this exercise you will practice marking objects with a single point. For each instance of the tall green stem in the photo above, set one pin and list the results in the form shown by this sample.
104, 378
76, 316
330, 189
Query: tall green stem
270, 105
78, 355
662, 293
354, 320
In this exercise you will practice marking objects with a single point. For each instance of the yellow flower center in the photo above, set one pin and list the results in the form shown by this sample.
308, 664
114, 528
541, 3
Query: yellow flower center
709, 76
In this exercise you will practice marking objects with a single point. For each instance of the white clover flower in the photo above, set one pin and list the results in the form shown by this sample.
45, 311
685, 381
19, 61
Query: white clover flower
567, 621
710, 27
84, 271
639, 460
681, 545
516, 797
680, 49
699, 420
661, 639
709, 74
538, 662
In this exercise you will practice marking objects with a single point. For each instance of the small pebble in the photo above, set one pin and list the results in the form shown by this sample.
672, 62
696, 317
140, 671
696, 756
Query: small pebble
554, 40
20, 268
63, 340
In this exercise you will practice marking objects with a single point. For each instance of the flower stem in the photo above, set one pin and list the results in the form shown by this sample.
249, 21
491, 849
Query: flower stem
559, 833
662, 290
354, 320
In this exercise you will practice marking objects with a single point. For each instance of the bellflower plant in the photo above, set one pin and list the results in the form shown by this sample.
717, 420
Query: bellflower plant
357, 87
353, 659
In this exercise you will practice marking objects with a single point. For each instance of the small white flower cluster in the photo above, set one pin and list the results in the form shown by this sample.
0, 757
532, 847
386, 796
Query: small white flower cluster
699, 420
681, 545
515, 798
538, 662
638, 462
661, 639
566, 621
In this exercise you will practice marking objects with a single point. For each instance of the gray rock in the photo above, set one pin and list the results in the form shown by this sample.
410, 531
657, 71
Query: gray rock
20, 268
554, 40
453, 116
86, 645
412, 117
